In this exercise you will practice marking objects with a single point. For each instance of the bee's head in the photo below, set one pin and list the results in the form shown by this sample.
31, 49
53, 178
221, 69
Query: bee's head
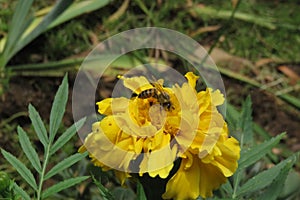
167, 105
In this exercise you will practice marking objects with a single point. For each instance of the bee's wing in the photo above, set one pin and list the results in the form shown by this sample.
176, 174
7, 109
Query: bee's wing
160, 82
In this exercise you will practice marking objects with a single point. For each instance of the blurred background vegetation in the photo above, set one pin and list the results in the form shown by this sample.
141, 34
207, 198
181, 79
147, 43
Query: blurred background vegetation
256, 45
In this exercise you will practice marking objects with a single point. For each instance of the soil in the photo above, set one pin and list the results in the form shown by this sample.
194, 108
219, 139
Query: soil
267, 110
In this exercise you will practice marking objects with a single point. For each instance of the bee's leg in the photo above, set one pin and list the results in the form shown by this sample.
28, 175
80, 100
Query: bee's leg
134, 95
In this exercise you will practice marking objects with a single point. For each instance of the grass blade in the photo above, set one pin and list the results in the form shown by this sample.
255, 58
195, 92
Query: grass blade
58, 107
60, 7
255, 153
21, 168
226, 14
38, 125
18, 24
66, 136
78, 9
29, 150
62, 185
291, 99
65, 164
18, 190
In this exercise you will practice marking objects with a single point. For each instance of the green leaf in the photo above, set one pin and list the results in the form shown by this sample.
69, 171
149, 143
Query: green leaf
19, 23
140, 192
18, 190
232, 116
66, 136
29, 150
255, 153
121, 193
65, 164
104, 192
21, 168
274, 190
62, 185
38, 125
60, 7
245, 123
227, 187
291, 99
291, 185
77, 9
265, 178
58, 107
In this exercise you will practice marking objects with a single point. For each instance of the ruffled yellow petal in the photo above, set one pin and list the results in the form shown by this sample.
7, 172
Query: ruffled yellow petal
119, 105
198, 180
227, 162
217, 97
153, 162
104, 106
162, 173
192, 79
136, 84
184, 184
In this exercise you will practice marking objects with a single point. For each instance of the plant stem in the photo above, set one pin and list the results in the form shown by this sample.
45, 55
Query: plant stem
45, 163
11, 118
237, 179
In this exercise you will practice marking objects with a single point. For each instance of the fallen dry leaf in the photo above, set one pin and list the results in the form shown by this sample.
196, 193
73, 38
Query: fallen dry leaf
204, 30
234, 3
293, 76
237, 63
264, 61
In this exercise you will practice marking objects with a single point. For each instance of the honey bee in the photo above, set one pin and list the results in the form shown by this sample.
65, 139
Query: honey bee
158, 93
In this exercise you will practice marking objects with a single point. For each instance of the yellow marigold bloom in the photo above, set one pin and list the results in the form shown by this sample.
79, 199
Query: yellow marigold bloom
143, 135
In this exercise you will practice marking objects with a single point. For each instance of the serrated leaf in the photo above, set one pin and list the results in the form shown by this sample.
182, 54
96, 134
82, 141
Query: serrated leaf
121, 193
232, 116
18, 190
21, 168
65, 164
29, 150
38, 125
245, 123
58, 107
264, 178
255, 153
66, 136
274, 190
140, 192
291, 185
62, 185
105, 194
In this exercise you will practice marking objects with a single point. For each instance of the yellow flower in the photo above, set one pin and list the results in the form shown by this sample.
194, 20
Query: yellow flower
142, 135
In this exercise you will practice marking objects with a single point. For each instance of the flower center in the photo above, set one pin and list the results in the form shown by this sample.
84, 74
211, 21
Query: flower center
157, 115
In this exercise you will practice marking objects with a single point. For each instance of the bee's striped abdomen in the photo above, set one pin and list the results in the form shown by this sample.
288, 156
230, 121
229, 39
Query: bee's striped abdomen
148, 93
